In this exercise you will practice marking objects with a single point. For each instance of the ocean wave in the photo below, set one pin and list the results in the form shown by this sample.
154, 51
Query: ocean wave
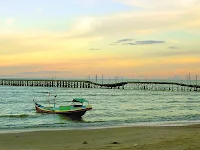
16, 116
173, 101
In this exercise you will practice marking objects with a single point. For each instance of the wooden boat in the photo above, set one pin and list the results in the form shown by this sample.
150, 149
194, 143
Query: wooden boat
78, 109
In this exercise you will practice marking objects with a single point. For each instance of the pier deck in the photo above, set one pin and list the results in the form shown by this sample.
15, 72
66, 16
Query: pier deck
136, 85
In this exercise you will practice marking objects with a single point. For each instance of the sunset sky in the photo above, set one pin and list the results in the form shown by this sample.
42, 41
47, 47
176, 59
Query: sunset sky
81, 38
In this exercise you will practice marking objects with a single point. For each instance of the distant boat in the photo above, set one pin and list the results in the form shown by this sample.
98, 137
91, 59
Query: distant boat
78, 109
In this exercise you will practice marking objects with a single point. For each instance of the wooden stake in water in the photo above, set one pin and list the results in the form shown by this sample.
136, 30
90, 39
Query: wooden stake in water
96, 78
189, 79
196, 80
102, 78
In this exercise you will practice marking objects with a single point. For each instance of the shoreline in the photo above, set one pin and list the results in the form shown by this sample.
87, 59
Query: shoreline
128, 138
143, 124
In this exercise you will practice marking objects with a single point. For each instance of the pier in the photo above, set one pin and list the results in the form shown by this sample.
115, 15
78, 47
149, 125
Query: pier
135, 85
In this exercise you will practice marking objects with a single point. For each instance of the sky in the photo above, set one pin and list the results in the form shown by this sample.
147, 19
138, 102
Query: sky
82, 38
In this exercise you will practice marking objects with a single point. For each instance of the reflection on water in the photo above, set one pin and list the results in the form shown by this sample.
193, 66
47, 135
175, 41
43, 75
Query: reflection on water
71, 118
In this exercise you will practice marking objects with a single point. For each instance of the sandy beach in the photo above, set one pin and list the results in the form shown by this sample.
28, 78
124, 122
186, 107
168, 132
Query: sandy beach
124, 138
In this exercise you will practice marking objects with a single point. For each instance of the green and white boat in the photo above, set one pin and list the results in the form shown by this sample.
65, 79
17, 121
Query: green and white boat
78, 109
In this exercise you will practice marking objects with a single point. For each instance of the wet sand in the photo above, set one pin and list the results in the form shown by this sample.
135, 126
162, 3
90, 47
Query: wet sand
121, 138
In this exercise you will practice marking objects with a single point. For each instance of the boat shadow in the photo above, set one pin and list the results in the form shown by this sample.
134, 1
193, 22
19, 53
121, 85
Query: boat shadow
71, 118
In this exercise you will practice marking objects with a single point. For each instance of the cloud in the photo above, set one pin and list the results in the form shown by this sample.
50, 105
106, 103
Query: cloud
84, 25
45, 72
173, 47
21, 71
18, 44
95, 49
10, 21
86, 2
146, 42
140, 22
113, 44
124, 40
129, 44
158, 4
38, 42
173, 53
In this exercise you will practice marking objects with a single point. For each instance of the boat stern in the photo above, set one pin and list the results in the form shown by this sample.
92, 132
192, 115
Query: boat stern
89, 107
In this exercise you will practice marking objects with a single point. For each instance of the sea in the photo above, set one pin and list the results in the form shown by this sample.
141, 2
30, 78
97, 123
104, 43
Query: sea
111, 108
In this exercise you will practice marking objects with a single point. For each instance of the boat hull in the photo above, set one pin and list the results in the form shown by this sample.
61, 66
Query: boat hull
78, 112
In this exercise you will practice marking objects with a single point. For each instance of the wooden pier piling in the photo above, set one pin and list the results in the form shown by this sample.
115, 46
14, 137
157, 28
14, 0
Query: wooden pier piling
135, 85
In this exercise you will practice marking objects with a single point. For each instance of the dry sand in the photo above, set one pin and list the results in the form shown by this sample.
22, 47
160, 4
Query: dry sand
124, 138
